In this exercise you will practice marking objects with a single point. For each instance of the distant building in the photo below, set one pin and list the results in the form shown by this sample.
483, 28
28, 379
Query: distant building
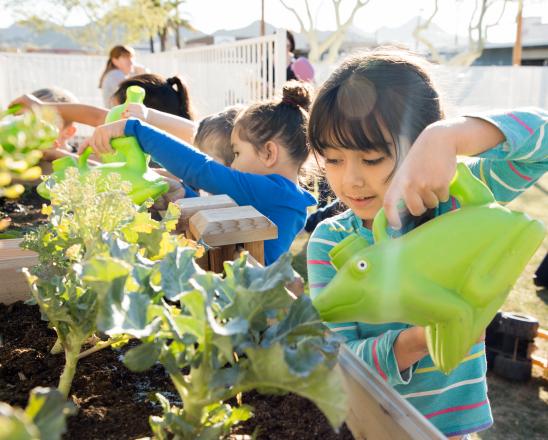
534, 50
212, 39
501, 55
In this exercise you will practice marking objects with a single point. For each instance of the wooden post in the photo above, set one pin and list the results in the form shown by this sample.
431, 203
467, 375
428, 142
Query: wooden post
240, 224
262, 30
218, 255
516, 52
256, 249
229, 229
192, 205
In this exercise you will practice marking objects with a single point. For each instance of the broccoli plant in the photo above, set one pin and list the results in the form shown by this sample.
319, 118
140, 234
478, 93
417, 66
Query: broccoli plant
43, 418
81, 211
216, 337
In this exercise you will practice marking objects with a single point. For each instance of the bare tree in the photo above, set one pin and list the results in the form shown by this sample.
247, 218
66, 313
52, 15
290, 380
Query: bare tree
478, 29
333, 42
110, 21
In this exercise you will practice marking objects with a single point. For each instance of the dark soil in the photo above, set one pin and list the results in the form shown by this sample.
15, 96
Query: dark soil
113, 402
24, 212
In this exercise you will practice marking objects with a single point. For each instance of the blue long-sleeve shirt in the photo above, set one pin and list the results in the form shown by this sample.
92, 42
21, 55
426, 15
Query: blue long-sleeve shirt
274, 196
456, 403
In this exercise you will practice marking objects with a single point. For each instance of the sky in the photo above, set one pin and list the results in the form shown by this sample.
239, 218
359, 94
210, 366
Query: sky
453, 15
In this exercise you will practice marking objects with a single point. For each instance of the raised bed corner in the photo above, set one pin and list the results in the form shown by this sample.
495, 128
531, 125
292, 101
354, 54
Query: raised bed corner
377, 411
13, 284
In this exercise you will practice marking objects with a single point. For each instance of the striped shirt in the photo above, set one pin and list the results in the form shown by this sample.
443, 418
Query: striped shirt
457, 403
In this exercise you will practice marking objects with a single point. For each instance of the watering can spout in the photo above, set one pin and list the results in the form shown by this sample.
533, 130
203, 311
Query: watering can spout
128, 160
134, 95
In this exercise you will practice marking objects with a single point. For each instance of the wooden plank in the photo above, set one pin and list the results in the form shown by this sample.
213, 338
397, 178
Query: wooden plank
9, 248
192, 205
377, 411
13, 284
240, 224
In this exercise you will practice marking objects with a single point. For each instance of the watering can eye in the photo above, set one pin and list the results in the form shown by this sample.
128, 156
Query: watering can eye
362, 265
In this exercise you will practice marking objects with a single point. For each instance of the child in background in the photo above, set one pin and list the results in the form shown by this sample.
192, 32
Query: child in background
269, 144
377, 122
214, 132
169, 95
167, 105
67, 130
120, 64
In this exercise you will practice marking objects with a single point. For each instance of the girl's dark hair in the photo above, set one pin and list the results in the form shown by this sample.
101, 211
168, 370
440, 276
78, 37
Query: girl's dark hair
291, 40
115, 52
284, 121
386, 86
166, 95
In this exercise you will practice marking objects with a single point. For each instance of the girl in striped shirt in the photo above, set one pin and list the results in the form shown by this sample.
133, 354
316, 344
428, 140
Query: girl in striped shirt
379, 127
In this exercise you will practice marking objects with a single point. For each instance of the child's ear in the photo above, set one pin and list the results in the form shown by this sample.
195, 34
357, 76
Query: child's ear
269, 154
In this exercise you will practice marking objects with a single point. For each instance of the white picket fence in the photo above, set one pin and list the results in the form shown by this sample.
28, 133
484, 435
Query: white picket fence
234, 73
246, 71
217, 76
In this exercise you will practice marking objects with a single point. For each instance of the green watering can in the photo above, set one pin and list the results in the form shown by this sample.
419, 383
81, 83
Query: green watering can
449, 275
128, 159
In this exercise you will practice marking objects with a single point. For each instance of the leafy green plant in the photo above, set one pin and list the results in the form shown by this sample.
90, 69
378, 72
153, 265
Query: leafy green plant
227, 336
22, 139
81, 211
43, 418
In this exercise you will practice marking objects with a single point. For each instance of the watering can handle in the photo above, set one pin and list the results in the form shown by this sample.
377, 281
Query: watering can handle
465, 187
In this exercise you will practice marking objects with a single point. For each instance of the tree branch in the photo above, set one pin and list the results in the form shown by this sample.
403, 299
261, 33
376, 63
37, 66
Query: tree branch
417, 33
294, 12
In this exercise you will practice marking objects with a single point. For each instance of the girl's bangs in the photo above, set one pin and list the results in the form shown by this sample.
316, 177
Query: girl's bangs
333, 127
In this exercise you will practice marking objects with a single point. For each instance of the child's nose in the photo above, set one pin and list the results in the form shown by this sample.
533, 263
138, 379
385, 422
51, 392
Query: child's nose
353, 175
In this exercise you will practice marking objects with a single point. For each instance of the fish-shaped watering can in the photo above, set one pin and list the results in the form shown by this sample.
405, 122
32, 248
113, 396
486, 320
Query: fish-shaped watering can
449, 275
128, 160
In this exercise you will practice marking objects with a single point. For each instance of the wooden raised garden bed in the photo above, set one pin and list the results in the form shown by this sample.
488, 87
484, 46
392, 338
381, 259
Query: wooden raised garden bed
376, 410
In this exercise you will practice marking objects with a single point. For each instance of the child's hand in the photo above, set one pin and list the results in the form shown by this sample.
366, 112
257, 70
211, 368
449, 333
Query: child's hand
138, 111
26, 102
422, 181
175, 192
100, 139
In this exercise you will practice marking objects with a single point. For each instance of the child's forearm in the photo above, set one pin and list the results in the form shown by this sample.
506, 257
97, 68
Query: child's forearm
471, 136
410, 347
82, 113
175, 125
